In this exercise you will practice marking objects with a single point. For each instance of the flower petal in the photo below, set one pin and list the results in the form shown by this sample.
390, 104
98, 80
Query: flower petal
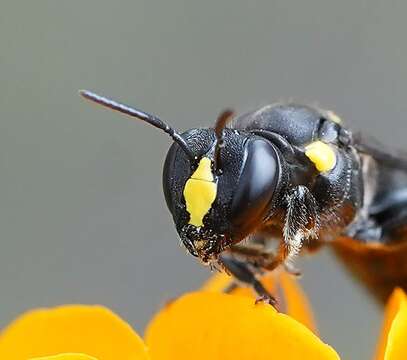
290, 295
392, 344
298, 306
92, 330
392, 308
210, 325
217, 282
67, 356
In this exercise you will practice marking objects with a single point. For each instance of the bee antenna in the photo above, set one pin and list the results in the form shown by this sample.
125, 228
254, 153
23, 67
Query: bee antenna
151, 119
224, 117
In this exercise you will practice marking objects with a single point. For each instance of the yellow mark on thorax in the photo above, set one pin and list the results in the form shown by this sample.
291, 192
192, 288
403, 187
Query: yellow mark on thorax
333, 117
322, 155
200, 192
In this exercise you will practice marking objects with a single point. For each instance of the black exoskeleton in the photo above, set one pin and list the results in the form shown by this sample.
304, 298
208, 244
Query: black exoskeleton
286, 172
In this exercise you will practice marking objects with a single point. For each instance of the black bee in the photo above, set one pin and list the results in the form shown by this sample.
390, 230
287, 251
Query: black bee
289, 173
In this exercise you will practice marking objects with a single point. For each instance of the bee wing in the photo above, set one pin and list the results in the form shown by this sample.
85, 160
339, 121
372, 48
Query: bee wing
380, 265
391, 157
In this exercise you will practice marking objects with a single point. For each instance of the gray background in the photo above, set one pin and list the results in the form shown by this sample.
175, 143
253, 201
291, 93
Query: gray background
82, 215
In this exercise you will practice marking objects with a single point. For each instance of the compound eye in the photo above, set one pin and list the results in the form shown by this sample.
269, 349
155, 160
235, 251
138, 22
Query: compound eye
257, 183
168, 182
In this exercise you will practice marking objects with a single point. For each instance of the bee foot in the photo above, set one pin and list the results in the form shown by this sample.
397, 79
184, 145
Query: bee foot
267, 299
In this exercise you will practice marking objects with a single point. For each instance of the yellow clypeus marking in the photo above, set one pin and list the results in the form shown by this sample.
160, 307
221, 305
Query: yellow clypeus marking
322, 155
200, 192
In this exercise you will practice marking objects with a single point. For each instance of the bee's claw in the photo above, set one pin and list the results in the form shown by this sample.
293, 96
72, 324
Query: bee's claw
267, 299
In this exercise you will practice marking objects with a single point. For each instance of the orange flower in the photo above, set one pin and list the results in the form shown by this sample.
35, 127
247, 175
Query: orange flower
392, 343
207, 324
67, 356
291, 299
74, 330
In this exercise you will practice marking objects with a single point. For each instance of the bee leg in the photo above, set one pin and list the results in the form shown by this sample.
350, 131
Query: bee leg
258, 258
365, 230
264, 260
232, 286
301, 222
242, 272
253, 254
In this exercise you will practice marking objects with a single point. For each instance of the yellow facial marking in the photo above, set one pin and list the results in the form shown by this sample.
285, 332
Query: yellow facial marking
322, 155
200, 192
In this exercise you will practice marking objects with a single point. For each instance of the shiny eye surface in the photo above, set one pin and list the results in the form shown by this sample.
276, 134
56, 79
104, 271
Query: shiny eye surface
257, 182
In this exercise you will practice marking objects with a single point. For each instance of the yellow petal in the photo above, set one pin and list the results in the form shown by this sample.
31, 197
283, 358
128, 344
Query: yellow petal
392, 309
298, 306
393, 344
92, 330
66, 356
217, 282
210, 325
291, 296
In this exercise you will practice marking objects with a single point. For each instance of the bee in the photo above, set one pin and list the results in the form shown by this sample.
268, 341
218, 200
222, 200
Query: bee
287, 175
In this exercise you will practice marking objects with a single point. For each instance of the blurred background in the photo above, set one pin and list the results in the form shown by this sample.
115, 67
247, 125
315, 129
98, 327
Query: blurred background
82, 214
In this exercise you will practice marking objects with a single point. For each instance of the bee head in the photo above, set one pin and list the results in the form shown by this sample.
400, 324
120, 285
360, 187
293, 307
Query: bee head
225, 192
219, 184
